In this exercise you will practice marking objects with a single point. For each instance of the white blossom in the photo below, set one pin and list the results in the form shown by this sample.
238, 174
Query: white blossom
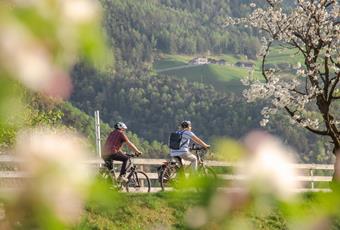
80, 11
315, 23
264, 122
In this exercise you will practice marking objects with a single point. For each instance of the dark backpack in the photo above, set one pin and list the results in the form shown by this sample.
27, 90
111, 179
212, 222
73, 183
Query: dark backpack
175, 140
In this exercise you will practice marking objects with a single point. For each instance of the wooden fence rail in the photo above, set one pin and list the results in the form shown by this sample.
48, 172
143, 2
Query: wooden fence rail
313, 176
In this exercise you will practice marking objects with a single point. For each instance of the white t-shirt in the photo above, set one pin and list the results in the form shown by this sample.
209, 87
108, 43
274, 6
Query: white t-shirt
185, 141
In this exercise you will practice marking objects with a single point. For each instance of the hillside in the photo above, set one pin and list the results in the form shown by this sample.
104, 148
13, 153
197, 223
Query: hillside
63, 114
138, 28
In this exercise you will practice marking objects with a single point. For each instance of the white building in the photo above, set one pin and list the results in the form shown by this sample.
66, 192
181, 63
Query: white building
199, 61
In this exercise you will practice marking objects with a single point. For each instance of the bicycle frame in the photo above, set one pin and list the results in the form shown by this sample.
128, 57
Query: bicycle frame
130, 167
175, 169
135, 178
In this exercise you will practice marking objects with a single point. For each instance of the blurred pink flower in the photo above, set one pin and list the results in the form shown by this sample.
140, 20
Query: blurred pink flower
269, 166
54, 161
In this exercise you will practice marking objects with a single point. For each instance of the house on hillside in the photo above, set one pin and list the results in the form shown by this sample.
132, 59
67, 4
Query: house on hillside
244, 64
204, 60
199, 61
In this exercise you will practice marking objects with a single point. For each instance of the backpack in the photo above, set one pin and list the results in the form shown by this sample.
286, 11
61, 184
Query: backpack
175, 140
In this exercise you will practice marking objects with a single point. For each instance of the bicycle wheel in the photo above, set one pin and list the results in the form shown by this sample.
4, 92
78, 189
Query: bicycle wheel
138, 181
168, 176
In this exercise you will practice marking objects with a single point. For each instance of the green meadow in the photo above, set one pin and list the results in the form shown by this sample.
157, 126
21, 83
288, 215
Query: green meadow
223, 77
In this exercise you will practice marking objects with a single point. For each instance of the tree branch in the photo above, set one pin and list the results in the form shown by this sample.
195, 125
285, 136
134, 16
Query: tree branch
333, 87
306, 86
335, 63
326, 80
297, 46
329, 3
319, 132
298, 92
264, 60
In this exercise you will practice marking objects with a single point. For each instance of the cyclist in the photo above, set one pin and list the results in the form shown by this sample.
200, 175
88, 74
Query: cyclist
112, 149
183, 152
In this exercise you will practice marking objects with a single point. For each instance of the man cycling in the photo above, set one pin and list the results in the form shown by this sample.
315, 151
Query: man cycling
183, 152
112, 149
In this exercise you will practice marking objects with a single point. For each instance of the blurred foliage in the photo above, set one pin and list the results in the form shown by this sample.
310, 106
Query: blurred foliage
228, 149
212, 208
40, 41
10, 111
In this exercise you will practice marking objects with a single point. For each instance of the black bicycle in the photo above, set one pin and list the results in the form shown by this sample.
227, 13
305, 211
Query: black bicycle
169, 171
137, 180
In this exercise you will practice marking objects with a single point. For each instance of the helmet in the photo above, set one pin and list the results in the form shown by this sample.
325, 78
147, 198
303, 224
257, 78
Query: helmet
185, 124
120, 125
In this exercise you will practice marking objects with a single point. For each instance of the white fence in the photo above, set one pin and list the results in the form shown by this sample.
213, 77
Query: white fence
314, 177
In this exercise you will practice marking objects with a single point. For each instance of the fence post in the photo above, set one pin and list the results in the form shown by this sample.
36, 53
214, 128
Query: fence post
142, 169
97, 129
311, 173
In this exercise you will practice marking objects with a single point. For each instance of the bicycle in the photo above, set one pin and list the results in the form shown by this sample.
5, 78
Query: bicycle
174, 166
137, 180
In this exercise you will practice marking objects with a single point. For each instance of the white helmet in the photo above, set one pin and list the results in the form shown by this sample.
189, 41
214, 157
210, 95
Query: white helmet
120, 125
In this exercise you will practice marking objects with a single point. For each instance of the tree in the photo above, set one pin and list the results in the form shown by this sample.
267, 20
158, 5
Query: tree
311, 96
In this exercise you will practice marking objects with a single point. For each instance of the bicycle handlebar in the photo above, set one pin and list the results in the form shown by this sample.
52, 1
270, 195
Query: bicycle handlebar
198, 148
131, 155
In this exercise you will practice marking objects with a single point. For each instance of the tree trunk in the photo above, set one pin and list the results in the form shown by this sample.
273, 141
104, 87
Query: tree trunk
336, 176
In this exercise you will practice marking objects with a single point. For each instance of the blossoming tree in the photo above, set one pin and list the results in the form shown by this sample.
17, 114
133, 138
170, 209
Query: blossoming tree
311, 96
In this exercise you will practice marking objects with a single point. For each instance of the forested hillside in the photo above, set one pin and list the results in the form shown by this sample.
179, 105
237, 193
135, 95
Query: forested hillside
152, 105
41, 111
138, 29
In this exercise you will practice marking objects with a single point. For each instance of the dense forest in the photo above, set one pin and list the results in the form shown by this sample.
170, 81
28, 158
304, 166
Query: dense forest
140, 29
152, 105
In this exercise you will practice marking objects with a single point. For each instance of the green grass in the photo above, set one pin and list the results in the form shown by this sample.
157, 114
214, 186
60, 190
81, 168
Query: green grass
221, 77
168, 64
139, 211
168, 61
168, 210
289, 56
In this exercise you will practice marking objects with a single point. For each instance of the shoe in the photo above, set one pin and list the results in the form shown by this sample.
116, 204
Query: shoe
122, 179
